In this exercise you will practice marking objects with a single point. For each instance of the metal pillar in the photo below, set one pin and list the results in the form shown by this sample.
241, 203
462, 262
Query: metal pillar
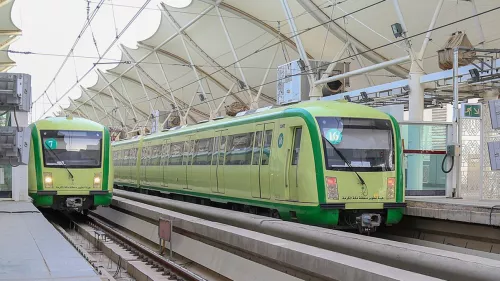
415, 133
236, 59
457, 139
300, 48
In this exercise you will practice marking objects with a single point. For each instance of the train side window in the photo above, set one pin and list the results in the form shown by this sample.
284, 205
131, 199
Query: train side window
176, 153
156, 155
164, 154
188, 152
266, 151
203, 151
296, 145
222, 149
239, 149
256, 148
215, 150
143, 155
229, 145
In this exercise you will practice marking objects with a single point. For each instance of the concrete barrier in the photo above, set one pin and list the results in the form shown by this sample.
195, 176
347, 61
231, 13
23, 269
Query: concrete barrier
277, 254
427, 261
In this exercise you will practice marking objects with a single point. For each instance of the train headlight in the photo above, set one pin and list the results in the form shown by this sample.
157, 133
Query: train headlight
47, 179
97, 180
331, 188
391, 185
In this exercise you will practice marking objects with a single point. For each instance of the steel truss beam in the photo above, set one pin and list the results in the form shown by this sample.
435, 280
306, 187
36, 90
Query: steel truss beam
212, 62
118, 76
179, 101
341, 34
264, 26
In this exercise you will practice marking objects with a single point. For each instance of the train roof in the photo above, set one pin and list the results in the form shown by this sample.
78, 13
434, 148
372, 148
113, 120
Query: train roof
314, 108
68, 123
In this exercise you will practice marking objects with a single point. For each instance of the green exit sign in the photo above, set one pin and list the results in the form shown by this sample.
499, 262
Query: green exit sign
471, 110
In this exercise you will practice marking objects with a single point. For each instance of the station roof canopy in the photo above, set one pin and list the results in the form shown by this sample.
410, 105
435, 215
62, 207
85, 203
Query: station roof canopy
209, 48
8, 33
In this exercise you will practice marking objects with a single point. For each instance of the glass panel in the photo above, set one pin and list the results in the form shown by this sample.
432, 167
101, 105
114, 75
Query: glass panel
5, 181
176, 153
367, 144
256, 148
164, 155
266, 152
76, 149
296, 146
216, 151
424, 148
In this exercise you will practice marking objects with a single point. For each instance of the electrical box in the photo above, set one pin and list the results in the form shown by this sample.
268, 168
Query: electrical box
453, 150
14, 145
494, 113
15, 92
293, 84
494, 150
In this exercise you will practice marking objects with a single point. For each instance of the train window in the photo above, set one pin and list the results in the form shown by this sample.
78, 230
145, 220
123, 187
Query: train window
143, 156
176, 153
215, 150
156, 156
222, 149
266, 151
188, 152
203, 152
357, 144
239, 149
164, 154
133, 157
256, 148
296, 146
228, 150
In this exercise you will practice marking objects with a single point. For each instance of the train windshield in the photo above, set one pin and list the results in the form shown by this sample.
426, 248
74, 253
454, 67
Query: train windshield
365, 144
71, 149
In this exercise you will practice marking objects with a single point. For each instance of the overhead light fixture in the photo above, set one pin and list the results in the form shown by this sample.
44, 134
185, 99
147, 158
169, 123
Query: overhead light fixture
474, 74
397, 30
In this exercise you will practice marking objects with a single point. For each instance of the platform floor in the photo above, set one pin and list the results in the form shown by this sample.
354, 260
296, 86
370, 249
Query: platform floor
473, 211
32, 249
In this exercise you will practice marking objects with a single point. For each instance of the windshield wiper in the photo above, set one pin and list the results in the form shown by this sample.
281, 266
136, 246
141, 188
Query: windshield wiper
64, 165
345, 160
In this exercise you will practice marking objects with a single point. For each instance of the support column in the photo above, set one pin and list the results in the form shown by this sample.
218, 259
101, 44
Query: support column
415, 132
20, 173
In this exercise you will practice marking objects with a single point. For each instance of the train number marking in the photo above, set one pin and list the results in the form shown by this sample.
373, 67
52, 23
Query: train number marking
51, 144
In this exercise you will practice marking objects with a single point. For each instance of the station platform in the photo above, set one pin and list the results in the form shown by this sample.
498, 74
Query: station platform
485, 212
32, 249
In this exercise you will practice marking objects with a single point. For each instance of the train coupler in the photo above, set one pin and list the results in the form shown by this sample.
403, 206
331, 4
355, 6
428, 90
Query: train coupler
368, 222
74, 202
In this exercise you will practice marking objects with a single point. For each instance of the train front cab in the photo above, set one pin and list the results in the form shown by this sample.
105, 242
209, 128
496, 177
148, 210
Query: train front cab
363, 172
70, 169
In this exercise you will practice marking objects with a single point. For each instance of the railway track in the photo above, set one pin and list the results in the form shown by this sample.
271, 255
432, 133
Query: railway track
116, 255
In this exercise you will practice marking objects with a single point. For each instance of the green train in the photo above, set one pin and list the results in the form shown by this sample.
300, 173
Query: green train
70, 165
325, 163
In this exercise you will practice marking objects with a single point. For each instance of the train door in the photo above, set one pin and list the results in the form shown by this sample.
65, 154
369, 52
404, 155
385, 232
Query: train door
293, 165
218, 158
265, 161
255, 168
260, 170
165, 152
